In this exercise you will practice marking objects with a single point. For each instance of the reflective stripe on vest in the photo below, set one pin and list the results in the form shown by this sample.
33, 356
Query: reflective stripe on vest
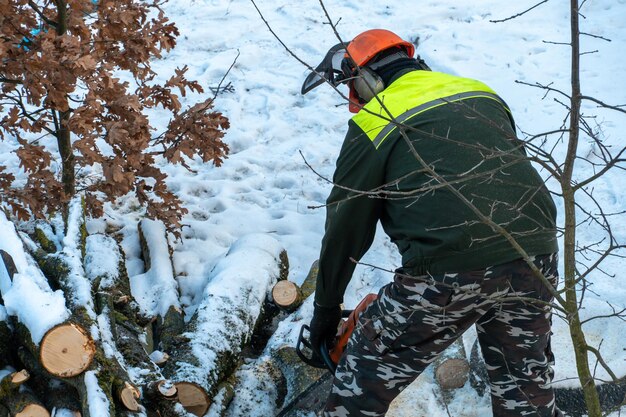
414, 93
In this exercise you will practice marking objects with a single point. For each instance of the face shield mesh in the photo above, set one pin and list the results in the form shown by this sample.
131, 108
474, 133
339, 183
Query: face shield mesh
328, 70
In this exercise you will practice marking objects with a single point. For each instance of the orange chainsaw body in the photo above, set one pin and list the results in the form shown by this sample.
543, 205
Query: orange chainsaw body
348, 326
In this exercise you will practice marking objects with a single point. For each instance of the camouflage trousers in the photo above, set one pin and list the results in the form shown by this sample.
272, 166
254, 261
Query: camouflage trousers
416, 318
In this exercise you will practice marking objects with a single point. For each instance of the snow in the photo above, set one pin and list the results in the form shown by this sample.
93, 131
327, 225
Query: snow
156, 290
257, 391
62, 412
102, 258
97, 399
72, 255
266, 189
28, 297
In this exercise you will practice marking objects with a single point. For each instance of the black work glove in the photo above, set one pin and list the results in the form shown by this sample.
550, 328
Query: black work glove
323, 327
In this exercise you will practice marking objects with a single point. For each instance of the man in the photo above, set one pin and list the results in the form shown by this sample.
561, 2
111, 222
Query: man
435, 159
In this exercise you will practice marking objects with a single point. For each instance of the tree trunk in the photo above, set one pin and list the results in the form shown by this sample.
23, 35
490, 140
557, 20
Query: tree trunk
578, 337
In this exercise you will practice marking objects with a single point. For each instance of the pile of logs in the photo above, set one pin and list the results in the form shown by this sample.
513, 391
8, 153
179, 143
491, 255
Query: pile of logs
107, 354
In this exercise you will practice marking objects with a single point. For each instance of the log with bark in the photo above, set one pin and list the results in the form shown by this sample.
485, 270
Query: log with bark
288, 296
225, 320
11, 381
451, 367
25, 404
6, 339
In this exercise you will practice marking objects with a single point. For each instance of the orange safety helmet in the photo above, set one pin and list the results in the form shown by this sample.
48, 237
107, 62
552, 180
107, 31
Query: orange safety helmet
361, 50
368, 44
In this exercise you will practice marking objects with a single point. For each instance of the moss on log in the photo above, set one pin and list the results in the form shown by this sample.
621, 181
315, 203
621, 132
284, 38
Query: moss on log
298, 375
11, 382
310, 281
7, 344
40, 235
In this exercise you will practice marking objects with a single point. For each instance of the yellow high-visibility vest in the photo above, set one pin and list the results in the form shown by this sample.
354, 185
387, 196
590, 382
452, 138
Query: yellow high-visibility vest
412, 94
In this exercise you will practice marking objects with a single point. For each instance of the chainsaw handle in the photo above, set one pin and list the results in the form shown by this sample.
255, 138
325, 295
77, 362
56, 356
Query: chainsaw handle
332, 367
314, 361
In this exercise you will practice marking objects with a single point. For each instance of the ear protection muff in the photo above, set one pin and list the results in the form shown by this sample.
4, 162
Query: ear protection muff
365, 82
368, 84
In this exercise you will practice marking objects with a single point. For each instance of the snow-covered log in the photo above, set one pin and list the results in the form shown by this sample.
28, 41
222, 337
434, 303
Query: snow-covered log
226, 317
27, 293
156, 289
101, 382
224, 397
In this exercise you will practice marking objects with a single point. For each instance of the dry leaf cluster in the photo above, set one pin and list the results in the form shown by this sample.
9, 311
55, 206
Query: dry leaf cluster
60, 66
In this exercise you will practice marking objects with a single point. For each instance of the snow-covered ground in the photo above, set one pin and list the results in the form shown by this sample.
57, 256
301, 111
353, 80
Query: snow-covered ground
266, 187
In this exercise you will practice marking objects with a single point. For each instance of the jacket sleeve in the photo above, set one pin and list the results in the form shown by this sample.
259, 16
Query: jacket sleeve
351, 216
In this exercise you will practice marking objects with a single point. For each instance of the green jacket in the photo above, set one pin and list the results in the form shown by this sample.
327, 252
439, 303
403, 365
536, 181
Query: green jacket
464, 131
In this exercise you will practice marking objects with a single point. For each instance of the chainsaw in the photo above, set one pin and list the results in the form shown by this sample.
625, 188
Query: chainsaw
314, 396
330, 355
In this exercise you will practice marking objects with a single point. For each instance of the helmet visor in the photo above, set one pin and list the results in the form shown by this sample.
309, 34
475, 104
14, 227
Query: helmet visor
328, 70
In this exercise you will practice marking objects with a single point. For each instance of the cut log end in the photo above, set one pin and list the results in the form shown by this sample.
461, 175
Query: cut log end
287, 295
66, 350
452, 373
128, 396
193, 398
33, 410
159, 358
167, 389
18, 378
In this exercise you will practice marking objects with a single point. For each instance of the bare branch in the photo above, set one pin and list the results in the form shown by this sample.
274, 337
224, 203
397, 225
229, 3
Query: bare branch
600, 359
52, 23
217, 89
521, 13
544, 87
557, 43
609, 164
602, 104
595, 36
10, 81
